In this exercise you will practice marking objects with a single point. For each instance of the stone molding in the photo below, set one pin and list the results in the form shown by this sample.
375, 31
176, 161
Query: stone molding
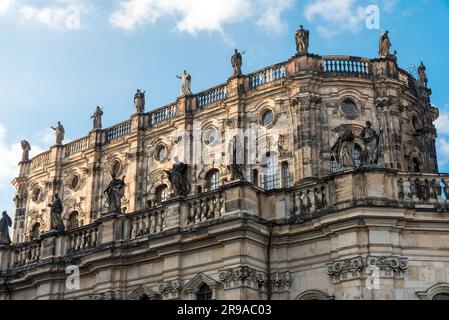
109, 295
358, 267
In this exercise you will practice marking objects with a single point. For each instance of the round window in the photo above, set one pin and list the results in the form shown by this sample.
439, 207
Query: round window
267, 118
349, 109
74, 182
161, 153
210, 136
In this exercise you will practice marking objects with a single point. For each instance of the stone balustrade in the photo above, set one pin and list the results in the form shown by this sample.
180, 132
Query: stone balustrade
273, 73
147, 223
26, 253
163, 114
346, 66
213, 95
206, 208
307, 202
118, 131
41, 160
83, 239
424, 189
77, 146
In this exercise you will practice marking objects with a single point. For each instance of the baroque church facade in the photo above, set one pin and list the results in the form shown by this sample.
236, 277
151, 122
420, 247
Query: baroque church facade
315, 178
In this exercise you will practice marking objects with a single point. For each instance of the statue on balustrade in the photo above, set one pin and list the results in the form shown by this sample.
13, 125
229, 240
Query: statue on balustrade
5, 224
97, 118
384, 46
179, 178
60, 132
56, 222
342, 150
237, 62
302, 41
26, 148
139, 101
186, 79
422, 75
115, 192
236, 158
370, 139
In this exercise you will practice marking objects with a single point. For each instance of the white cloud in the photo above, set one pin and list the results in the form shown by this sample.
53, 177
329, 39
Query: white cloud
64, 15
5, 6
199, 15
442, 123
336, 16
10, 157
443, 151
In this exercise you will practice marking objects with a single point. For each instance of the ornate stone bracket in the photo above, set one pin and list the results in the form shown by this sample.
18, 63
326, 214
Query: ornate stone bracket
243, 276
109, 295
356, 268
281, 281
171, 289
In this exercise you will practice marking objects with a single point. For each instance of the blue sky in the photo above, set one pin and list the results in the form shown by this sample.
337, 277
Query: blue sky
54, 66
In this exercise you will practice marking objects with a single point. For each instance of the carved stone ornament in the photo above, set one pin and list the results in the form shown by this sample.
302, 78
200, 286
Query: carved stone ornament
356, 268
243, 276
110, 295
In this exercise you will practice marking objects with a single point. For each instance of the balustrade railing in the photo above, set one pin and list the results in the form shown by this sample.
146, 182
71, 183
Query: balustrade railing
424, 189
147, 223
206, 208
309, 201
40, 160
163, 114
83, 239
77, 146
27, 253
346, 66
267, 75
118, 131
212, 95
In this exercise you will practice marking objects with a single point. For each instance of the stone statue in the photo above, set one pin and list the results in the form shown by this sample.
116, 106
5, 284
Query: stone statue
115, 191
237, 62
185, 83
139, 101
302, 41
422, 75
5, 224
236, 159
343, 150
384, 46
26, 148
370, 140
55, 214
97, 118
179, 179
60, 132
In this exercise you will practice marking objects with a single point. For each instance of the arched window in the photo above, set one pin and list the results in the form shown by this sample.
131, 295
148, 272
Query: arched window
204, 293
441, 296
256, 177
334, 164
162, 193
271, 179
415, 123
416, 166
35, 231
285, 175
357, 155
213, 180
73, 220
